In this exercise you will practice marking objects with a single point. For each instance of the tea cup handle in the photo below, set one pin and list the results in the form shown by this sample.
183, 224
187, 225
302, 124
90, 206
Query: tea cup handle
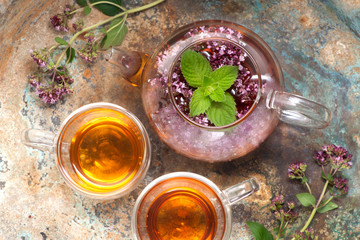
39, 139
298, 110
241, 190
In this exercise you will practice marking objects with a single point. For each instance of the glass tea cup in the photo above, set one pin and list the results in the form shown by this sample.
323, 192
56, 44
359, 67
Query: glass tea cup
183, 205
259, 91
103, 150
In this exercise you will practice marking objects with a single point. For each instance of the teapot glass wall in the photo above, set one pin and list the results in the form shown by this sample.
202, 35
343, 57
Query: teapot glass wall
190, 137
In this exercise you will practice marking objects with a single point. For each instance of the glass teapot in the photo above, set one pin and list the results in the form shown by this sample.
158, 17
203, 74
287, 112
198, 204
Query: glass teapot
193, 137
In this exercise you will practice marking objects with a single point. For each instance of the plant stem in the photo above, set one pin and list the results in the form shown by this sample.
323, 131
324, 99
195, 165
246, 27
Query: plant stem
101, 2
53, 47
327, 201
309, 220
308, 187
322, 194
316, 207
280, 227
150, 5
111, 3
138, 9
119, 23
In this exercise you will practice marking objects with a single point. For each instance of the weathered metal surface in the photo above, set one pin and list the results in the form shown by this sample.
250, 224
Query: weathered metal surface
318, 46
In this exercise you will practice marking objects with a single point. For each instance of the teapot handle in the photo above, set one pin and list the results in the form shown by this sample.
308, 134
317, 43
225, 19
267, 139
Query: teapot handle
130, 63
298, 110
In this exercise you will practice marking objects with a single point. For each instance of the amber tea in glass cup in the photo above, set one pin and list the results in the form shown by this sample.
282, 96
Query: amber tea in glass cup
183, 206
103, 150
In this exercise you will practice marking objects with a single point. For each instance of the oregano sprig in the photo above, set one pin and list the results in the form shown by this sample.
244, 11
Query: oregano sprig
210, 96
52, 80
332, 159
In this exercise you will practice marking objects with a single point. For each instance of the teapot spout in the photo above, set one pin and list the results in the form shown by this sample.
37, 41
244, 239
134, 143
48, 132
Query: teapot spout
130, 64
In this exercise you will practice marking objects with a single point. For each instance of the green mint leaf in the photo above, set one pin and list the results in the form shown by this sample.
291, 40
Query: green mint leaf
222, 113
225, 76
328, 207
115, 36
304, 180
306, 199
194, 67
70, 54
199, 102
61, 41
218, 95
87, 10
259, 231
330, 178
108, 9
207, 81
82, 3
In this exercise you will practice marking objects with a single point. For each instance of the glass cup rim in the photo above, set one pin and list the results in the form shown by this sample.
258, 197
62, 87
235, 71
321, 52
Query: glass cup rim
252, 59
195, 176
132, 184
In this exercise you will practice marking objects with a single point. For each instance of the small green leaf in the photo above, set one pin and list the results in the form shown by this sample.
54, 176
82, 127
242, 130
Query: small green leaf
222, 113
323, 175
82, 3
61, 41
103, 30
208, 90
328, 207
304, 180
194, 67
199, 102
225, 76
87, 10
116, 35
108, 9
218, 95
330, 178
306, 199
259, 231
70, 54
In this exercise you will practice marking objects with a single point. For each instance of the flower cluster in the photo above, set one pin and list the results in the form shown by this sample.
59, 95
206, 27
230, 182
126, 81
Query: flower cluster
58, 85
60, 20
339, 187
297, 170
330, 156
90, 52
78, 26
308, 234
277, 207
50, 83
338, 157
40, 58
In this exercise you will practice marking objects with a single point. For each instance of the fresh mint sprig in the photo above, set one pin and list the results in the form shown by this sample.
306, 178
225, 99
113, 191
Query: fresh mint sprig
210, 96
